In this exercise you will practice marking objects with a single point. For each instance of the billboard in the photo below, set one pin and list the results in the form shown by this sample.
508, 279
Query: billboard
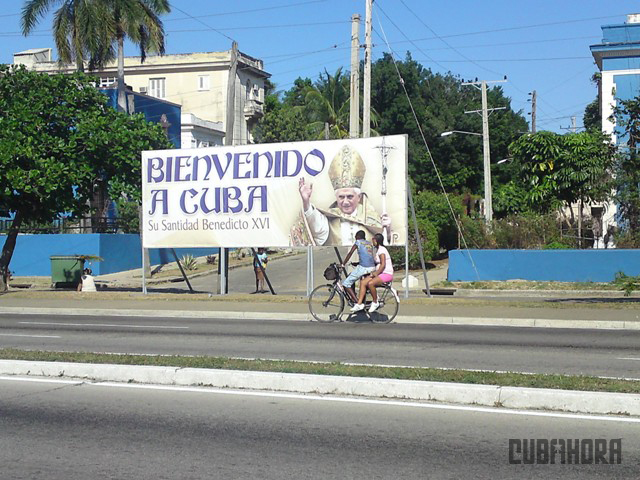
276, 195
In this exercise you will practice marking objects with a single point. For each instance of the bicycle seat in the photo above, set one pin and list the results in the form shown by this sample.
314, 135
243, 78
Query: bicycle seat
385, 284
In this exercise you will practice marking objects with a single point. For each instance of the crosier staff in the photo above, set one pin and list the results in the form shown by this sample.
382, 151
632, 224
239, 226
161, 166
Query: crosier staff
384, 151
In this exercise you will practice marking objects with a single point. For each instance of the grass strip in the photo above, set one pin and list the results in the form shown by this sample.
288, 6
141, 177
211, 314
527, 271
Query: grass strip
563, 382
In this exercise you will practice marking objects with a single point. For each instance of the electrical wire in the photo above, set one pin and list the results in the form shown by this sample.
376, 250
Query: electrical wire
424, 140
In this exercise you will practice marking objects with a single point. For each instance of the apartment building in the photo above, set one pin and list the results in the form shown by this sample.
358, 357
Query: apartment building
196, 81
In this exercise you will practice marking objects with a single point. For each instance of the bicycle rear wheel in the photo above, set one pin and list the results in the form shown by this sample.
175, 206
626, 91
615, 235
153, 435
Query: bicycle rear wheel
325, 303
388, 308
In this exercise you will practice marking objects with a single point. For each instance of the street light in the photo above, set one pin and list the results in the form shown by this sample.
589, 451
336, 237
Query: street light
446, 134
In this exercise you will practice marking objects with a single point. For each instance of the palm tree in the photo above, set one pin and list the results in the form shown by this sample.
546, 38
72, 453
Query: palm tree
74, 27
327, 104
96, 30
138, 21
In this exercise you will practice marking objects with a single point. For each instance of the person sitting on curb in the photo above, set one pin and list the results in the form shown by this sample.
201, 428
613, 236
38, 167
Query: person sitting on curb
87, 284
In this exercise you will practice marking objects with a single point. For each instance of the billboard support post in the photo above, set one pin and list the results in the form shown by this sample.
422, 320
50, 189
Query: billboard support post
415, 226
309, 270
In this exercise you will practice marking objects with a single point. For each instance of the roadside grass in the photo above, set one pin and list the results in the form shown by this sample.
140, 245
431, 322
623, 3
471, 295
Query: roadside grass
563, 382
530, 285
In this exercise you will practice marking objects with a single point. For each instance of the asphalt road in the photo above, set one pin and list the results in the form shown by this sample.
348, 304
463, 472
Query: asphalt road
566, 351
288, 276
59, 431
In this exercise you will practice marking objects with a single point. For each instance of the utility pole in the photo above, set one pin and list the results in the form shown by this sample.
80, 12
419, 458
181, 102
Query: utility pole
488, 202
534, 97
354, 104
366, 107
229, 139
573, 124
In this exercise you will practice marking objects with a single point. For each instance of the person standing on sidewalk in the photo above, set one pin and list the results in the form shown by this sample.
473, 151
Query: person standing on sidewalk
260, 263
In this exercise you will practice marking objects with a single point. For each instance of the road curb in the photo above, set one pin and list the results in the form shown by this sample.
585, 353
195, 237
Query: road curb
604, 403
306, 317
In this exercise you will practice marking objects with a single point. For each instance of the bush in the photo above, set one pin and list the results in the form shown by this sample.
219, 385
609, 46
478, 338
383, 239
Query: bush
556, 246
529, 231
626, 283
430, 246
476, 234
188, 262
128, 216
627, 239
433, 207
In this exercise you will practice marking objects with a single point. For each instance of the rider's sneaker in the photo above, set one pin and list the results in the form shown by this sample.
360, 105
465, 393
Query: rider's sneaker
357, 307
373, 307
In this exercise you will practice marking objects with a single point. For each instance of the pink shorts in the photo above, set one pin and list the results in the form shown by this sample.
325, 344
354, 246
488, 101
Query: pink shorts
385, 277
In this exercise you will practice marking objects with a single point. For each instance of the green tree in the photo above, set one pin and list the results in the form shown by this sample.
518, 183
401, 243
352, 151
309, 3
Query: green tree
626, 116
58, 140
559, 169
100, 27
591, 118
440, 102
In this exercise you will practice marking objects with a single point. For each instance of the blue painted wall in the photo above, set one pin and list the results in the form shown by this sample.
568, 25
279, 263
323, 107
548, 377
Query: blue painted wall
542, 265
153, 109
119, 251
621, 33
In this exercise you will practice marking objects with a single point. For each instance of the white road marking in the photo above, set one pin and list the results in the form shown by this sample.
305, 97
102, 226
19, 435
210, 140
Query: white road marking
104, 325
296, 396
42, 380
30, 336
628, 358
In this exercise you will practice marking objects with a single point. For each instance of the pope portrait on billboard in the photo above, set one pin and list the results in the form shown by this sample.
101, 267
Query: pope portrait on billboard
349, 211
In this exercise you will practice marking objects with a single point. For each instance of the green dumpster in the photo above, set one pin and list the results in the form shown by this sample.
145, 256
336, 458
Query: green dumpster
66, 270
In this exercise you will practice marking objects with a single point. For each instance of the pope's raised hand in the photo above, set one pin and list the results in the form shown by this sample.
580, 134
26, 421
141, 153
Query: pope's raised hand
305, 189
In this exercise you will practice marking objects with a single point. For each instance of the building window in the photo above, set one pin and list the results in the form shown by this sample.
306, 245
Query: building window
203, 82
156, 87
248, 92
106, 81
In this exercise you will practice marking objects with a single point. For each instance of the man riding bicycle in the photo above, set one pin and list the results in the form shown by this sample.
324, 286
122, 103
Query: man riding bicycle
365, 266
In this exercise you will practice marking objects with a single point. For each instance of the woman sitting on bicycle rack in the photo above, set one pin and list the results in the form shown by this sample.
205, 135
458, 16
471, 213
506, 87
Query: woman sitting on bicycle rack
383, 274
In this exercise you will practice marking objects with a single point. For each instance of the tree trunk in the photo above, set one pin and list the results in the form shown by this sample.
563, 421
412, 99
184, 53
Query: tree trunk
580, 224
7, 251
122, 97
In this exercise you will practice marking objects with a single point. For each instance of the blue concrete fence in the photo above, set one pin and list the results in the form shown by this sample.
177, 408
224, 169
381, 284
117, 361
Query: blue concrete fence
542, 265
120, 252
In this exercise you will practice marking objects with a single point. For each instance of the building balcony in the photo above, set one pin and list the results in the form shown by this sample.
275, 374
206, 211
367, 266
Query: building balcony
253, 109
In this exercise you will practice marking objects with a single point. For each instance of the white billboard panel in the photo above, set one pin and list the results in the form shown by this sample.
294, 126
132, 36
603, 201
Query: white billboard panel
276, 195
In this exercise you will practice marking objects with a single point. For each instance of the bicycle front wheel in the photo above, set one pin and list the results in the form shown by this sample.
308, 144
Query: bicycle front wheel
388, 308
326, 303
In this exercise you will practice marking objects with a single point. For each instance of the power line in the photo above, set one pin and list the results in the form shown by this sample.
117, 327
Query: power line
523, 27
445, 42
405, 36
239, 12
258, 27
201, 22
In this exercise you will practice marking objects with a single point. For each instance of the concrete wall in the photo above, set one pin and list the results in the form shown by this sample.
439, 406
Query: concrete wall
542, 265
119, 251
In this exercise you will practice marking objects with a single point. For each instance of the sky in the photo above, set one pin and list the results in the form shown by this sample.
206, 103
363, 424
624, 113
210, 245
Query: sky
540, 45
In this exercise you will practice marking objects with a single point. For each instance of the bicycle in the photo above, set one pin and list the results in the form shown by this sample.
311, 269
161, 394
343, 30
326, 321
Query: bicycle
327, 302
